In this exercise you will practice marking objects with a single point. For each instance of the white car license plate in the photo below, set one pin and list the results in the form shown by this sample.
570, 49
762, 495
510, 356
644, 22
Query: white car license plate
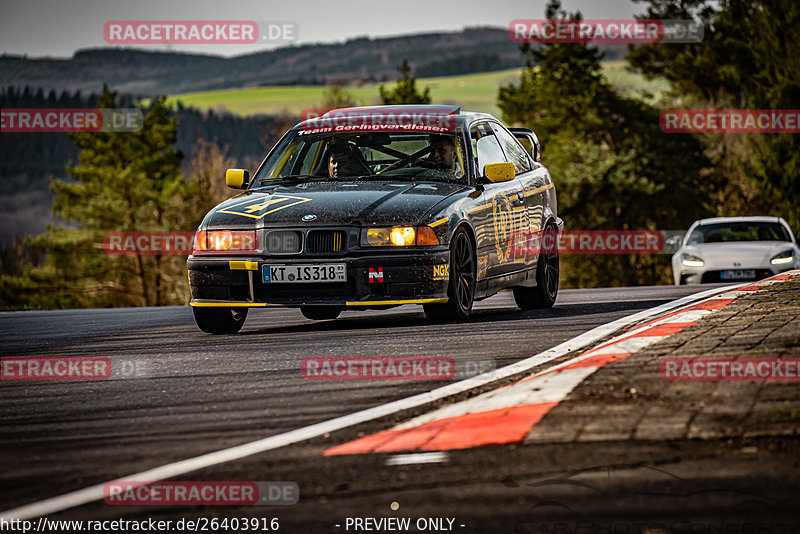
314, 273
738, 274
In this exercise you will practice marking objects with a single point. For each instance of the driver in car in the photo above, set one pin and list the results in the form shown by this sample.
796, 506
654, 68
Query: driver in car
443, 153
342, 161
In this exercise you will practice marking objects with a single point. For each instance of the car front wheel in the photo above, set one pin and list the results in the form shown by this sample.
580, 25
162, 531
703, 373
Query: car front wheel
461, 289
220, 320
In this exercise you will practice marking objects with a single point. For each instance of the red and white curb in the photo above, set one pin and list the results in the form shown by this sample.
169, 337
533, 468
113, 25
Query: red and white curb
506, 415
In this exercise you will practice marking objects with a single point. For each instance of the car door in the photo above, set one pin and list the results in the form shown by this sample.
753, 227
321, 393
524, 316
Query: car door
532, 176
501, 213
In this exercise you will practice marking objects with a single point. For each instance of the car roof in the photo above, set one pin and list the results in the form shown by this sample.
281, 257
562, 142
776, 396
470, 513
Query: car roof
427, 108
436, 109
473, 116
400, 108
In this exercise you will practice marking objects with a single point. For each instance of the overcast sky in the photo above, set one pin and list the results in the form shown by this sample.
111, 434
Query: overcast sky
60, 27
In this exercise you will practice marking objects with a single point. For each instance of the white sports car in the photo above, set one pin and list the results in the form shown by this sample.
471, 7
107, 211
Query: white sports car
734, 249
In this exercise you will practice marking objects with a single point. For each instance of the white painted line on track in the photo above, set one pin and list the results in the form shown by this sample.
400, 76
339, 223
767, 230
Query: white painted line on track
182, 467
417, 458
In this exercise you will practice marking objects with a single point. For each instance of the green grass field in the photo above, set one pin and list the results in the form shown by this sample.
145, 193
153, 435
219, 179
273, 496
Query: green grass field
632, 83
473, 92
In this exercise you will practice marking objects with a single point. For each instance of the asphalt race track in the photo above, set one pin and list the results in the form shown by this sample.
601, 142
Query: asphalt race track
207, 393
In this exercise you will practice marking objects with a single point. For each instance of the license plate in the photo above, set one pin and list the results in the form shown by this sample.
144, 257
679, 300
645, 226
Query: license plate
315, 273
738, 274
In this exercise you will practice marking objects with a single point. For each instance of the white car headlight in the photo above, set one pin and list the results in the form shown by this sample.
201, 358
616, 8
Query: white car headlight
783, 258
692, 261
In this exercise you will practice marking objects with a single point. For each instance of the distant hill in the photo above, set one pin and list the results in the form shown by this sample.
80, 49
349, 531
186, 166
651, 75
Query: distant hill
474, 92
149, 73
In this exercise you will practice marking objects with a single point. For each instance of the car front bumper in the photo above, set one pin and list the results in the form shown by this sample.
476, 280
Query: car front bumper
715, 276
373, 281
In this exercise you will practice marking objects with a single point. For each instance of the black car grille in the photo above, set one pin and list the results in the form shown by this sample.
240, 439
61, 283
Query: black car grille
343, 290
325, 241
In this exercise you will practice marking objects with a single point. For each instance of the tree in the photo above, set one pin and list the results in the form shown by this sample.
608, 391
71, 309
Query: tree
122, 182
748, 58
613, 167
405, 92
336, 96
207, 187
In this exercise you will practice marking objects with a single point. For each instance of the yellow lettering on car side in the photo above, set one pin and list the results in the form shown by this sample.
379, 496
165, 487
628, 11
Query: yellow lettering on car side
483, 264
503, 222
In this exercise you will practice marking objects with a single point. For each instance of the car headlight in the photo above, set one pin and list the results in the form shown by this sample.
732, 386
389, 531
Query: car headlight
398, 236
692, 261
782, 258
226, 241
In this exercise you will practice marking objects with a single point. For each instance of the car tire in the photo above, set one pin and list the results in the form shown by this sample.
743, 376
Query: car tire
320, 313
220, 320
461, 289
546, 290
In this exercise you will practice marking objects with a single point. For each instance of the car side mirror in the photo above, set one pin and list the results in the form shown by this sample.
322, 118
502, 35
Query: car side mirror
237, 178
673, 243
499, 172
530, 141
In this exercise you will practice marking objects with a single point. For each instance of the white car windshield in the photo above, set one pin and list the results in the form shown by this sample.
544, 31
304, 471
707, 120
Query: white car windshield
737, 232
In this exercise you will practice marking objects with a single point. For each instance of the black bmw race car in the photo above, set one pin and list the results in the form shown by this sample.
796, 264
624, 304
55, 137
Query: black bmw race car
376, 207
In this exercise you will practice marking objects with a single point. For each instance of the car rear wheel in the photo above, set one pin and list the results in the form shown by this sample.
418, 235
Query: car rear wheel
461, 289
320, 313
546, 290
220, 320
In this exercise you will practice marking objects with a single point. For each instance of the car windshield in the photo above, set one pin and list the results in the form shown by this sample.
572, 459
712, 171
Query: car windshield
365, 156
738, 231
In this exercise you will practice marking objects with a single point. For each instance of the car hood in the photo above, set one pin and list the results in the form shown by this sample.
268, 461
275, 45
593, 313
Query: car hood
747, 255
331, 203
